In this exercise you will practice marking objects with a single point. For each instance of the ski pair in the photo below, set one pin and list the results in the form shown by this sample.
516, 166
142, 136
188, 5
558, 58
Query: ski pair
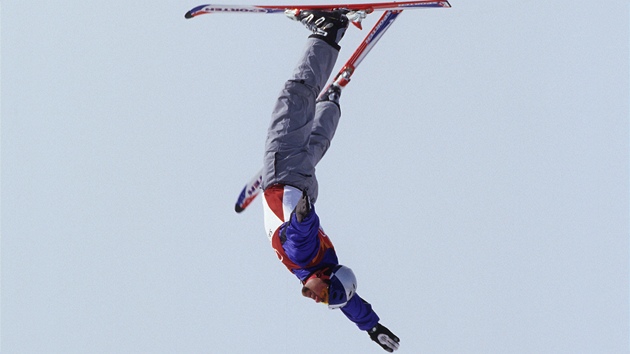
254, 185
359, 10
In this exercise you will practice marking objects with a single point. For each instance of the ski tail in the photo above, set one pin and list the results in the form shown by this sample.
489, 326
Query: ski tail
249, 192
382, 25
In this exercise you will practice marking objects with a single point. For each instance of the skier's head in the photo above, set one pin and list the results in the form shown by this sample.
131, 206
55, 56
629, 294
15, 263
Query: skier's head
333, 286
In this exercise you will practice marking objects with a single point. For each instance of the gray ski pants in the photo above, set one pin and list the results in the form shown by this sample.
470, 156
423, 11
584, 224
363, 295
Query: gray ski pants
301, 128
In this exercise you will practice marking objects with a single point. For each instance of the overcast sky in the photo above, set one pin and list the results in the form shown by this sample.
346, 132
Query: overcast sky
477, 184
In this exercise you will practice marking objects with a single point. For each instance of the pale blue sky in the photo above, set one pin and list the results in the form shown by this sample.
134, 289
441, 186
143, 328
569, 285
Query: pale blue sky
477, 184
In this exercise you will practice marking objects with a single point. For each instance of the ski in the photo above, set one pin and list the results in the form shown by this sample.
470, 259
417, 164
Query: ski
274, 9
375, 34
249, 192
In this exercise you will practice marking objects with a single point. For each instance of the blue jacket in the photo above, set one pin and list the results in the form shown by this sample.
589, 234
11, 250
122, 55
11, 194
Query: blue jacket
305, 248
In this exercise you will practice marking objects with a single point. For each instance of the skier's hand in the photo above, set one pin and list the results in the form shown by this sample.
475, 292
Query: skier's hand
303, 207
384, 337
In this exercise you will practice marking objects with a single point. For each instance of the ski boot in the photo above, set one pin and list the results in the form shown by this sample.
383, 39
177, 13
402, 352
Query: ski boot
327, 25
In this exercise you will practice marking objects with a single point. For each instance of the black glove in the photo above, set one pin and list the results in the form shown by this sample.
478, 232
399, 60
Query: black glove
303, 207
384, 337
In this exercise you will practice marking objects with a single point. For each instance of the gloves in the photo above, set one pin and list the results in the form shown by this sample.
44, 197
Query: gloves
384, 337
303, 207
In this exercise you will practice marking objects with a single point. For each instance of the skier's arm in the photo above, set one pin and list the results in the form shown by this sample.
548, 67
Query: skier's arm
360, 312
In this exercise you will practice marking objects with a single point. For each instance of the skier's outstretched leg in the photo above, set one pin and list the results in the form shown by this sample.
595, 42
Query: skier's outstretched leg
288, 159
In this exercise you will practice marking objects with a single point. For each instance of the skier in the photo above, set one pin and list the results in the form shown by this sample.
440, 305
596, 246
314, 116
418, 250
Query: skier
299, 134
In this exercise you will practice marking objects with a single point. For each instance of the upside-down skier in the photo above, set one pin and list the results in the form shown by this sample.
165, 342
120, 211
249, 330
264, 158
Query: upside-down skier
299, 134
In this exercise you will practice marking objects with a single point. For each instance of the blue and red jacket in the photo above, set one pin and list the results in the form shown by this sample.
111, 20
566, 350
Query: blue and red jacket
304, 248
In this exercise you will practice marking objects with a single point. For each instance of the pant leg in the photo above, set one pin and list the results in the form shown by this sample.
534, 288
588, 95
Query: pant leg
325, 124
288, 159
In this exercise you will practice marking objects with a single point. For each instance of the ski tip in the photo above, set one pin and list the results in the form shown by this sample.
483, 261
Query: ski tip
199, 10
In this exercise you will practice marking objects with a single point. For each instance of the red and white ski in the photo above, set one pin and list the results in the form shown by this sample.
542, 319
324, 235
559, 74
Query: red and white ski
343, 77
273, 9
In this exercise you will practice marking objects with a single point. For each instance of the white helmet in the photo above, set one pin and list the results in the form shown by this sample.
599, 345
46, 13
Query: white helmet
343, 285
